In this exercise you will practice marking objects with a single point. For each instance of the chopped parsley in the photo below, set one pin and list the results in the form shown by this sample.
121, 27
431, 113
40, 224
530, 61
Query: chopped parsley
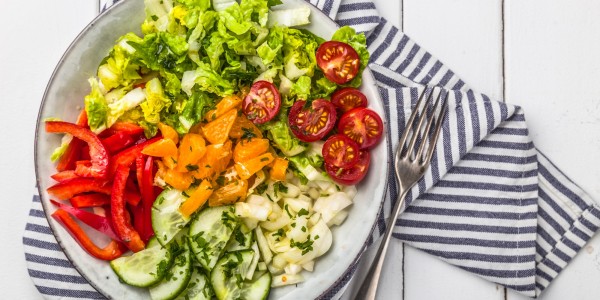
303, 212
305, 246
220, 180
279, 187
261, 188
247, 134
191, 168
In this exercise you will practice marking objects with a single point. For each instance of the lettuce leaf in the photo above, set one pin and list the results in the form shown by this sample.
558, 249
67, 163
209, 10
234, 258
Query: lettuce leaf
96, 107
155, 102
284, 139
207, 80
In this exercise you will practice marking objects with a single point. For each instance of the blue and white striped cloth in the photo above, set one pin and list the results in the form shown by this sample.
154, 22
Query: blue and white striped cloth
491, 203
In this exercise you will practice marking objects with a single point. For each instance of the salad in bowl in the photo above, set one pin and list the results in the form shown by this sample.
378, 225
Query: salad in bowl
216, 151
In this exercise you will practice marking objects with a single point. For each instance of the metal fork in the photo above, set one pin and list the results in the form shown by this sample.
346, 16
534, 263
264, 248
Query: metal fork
411, 161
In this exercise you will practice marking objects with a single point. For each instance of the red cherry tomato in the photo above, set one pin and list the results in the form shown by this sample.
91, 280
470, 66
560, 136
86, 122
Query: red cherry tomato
339, 61
340, 151
262, 102
352, 175
348, 98
314, 122
363, 126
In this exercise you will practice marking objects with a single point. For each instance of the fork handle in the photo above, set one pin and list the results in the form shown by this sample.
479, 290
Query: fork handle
368, 289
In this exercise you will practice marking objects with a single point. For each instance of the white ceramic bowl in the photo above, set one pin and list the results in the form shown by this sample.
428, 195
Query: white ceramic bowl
64, 99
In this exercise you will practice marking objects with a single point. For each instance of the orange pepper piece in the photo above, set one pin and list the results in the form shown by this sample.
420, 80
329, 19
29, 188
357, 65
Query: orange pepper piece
191, 150
162, 148
178, 180
225, 105
214, 161
279, 169
229, 193
197, 199
245, 150
168, 132
244, 127
217, 131
249, 167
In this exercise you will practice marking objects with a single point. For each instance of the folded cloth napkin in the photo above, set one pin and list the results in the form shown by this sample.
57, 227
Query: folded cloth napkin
491, 203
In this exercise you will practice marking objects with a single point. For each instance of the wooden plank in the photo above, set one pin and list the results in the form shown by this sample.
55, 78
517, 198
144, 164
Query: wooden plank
552, 71
466, 35
35, 34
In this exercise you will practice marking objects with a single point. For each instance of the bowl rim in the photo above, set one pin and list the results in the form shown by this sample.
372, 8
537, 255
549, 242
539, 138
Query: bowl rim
351, 267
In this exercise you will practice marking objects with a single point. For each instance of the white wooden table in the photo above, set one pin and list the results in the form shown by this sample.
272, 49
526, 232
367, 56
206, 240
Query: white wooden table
543, 55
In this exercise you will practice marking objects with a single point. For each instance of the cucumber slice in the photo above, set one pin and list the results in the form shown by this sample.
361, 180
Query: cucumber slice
241, 239
144, 268
227, 278
209, 233
167, 221
175, 280
259, 289
198, 288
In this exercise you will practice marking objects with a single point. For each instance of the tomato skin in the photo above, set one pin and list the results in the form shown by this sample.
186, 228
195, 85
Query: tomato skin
347, 98
340, 151
363, 126
352, 175
338, 60
262, 102
312, 123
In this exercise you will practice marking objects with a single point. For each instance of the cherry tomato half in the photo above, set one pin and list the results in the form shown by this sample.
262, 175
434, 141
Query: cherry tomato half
348, 98
339, 61
340, 151
314, 122
262, 102
352, 175
363, 126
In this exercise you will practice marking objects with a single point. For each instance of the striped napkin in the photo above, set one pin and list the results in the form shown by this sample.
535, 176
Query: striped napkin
491, 203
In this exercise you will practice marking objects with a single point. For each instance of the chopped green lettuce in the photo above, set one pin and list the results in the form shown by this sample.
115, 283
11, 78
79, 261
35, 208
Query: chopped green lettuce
155, 102
96, 107
283, 138
304, 165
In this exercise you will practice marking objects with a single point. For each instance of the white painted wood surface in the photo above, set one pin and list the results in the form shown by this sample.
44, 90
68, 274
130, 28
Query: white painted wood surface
542, 55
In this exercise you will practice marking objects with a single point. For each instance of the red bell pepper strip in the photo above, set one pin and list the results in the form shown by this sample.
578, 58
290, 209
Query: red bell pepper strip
95, 221
90, 200
73, 151
69, 189
122, 227
72, 154
148, 196
137, 213
66, 190
65, 176
139, 169
117, 142
98, 154
112, 251
128, 156
132, 195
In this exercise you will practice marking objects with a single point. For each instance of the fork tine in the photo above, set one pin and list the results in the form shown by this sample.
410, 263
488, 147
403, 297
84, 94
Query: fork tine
438, 129
419, 154
417, 132
409, 125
